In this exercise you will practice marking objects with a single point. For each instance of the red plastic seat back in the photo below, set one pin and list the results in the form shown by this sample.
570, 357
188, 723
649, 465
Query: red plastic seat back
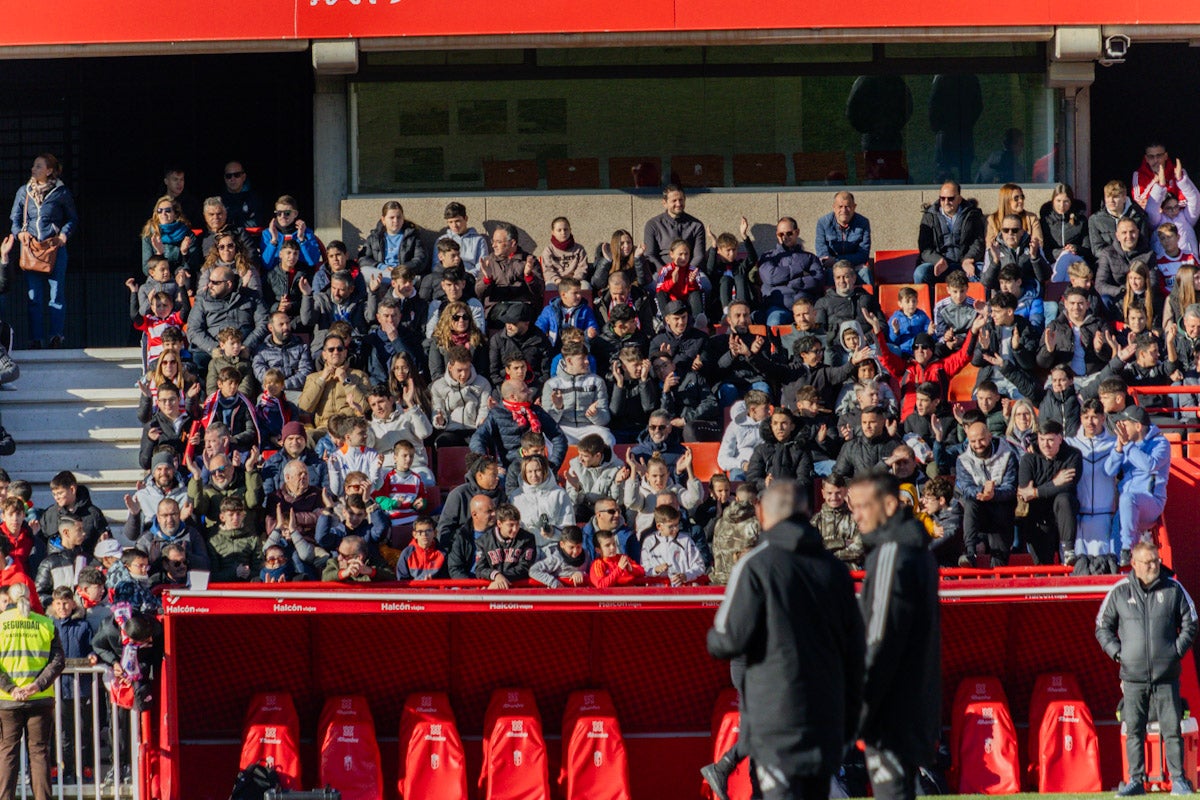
349, 756
594, 763
726, 725
972, 689
987, 751
271, 735
432, 762
1048, 688
515, 766
1068, 751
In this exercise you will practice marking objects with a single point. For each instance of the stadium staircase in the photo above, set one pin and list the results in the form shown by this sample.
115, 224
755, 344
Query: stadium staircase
76, 410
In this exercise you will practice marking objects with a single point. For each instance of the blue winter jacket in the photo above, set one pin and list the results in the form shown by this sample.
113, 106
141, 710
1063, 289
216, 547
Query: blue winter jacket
55, 215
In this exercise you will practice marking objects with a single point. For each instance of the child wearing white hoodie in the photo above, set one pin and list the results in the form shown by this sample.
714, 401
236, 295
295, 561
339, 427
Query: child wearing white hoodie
743, 433
544, 505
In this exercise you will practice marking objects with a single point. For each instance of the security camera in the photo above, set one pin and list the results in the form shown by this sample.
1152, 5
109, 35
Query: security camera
1116, 47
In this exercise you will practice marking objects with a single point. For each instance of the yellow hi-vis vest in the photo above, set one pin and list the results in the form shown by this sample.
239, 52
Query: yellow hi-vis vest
25, 649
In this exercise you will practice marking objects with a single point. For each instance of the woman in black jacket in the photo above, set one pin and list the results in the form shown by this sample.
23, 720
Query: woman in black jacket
1064, 232
394, 241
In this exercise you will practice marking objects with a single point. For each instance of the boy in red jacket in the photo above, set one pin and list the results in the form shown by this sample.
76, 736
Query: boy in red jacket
610, 567
922, 367
16, 530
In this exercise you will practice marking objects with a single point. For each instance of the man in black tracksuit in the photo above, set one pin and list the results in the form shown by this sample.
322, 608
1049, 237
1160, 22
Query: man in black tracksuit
789, 611
1047, 479
1147, 624
901, 717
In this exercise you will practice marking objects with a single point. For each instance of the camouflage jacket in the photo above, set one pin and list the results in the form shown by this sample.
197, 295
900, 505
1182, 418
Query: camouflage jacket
840, 534
736, 532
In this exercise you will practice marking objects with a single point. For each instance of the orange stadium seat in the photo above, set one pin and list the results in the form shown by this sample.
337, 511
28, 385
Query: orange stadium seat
634, 172
698, 172
889, 298
895, 266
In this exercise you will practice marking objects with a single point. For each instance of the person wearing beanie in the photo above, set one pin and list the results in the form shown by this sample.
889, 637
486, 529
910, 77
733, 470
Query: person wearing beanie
295, 447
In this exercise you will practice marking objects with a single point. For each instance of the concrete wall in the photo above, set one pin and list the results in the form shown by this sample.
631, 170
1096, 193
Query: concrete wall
894, 212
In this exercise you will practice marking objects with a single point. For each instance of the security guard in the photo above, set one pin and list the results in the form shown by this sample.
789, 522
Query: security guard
31, 657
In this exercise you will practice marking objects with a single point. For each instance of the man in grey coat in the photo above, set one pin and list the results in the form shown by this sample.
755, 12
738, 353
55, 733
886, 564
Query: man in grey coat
1147, 623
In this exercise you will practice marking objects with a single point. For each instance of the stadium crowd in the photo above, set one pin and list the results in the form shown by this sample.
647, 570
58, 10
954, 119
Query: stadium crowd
296, 393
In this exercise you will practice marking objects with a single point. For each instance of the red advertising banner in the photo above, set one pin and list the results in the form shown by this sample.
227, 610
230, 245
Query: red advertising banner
56, 22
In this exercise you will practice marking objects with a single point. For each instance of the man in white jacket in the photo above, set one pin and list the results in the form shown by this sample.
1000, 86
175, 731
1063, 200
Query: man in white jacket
577, 398
743, 433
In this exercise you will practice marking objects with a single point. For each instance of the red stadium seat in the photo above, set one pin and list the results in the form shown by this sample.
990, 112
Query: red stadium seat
594, 764
821, 166
704, 459
976, 291
962, 385
515, 766
1049, 687
572, 452
432, 761
1068, 751
271, 736
726, 723
699, 172
986, 752
969, 690
634, 172
759, 169
451, 467
888, 295
572, 173
504, 175
349, 757
895, 266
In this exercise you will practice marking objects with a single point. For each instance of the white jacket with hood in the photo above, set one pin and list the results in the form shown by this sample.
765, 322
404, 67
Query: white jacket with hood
742, 435
546, 499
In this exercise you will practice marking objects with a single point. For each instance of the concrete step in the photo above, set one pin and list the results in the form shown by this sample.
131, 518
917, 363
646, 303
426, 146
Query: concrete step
48, 376
89, 354
65, 421
33, 433
123, 396
75, 456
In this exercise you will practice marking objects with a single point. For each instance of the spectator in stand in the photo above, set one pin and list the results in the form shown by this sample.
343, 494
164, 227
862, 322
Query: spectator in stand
689, 400
730, 275
667, 553
576, 398
621, 329
1155, 162
354, 564
1005, 350
563, 562
804, 323
484, 478
460, 399
906, 322
235, 548
423, 560
679, 340
808, 368
231, 354
1142, 457
646, 486
1170, 256
505, 553
593, 474
1116, 260
1014, 249
243, 204
1102, 226
563, 257
1149, 640
741, 361
1097, 493
286, 226
225, 304
673, 224
1047, 481
743, 434
787, 272
1182, 207
393, 241
17, 531
337, 261
1029, 301
452, 289
473, 245
175, 182
459, 541
923, 367
1012, 203
169, 368
412, 310
509, 276
72, 499
1061, 401
986, 480
944, 512
168, 234
867, 449
836, 524
43, 216
319, 310
782, 453
336, 389
501, 432
225, 479
845, 302
520, 338
167, 527
295, 448
735, 534
634, 393
285, 352
31, 659
611, 567
216, 220
681, 281
1075, 339
845, 235
569, 310
1065, 228
630, 261
609, 519
64, 549
170, 426
227, 252
952, 237
291, 515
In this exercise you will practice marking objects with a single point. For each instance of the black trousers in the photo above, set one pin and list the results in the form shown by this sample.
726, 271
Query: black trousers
1049, 525
1136, 704
775, 786
989, 523
891, 777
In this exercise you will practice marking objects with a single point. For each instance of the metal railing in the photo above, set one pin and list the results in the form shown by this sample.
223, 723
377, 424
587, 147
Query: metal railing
124, 748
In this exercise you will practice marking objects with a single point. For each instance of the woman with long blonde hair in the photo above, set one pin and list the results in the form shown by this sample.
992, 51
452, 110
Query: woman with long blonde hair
456, 326
168, 233
227, 251
1012, 201
1183, 294
1140, 291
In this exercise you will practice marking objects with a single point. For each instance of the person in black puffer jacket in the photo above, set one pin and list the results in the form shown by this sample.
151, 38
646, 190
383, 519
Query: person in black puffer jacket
782, 454
1064, 231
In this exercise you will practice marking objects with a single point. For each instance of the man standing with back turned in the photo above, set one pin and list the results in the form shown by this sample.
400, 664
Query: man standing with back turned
789, 612
1147, 624
901, 719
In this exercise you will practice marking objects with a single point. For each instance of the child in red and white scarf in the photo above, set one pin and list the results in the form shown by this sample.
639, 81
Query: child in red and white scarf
273, 410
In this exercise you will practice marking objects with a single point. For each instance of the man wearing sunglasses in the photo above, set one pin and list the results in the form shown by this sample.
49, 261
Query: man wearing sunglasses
788, 272
1014, 246
951, 237
224, 303
244, 205
336, 389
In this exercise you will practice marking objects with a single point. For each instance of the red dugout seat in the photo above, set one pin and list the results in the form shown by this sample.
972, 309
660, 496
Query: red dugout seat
970, 689
726, 724
986, 755
515, 766
349, 756
271, 735
1068, 751
1049, 687
432, 761
594, 763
